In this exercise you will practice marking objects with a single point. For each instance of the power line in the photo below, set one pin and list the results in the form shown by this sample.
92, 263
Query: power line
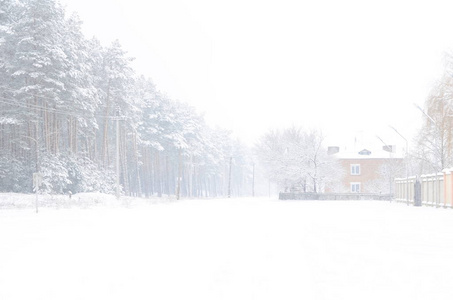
49, 109
37, 96
27, 93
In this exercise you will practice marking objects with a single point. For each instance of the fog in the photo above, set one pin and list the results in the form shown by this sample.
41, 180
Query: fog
347, 68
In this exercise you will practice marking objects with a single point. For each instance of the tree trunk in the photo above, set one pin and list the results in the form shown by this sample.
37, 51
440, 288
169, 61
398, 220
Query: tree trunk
178, 188
191, 167
105, 157
229, 178
123, 158
137, 165
159, 175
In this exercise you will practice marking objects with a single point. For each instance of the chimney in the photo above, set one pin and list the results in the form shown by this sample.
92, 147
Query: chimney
389, 148
332, 150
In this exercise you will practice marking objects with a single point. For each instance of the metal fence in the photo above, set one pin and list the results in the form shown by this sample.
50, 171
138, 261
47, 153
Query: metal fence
436, 189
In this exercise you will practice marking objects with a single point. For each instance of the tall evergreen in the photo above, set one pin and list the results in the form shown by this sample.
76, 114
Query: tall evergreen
61, 97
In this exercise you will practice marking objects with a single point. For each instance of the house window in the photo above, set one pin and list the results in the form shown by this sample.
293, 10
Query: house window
355, 169
355, 187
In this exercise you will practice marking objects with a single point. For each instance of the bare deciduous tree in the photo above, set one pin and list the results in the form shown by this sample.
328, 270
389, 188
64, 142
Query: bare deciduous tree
297, 160
434, 140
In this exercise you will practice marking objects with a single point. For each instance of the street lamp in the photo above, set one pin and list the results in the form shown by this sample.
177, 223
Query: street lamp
229, 178
253, 180
391, 178
428, 116
385, 144
407, 164
442, 150
37, 177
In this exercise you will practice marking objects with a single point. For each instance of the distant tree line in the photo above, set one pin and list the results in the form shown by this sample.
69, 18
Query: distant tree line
63, 95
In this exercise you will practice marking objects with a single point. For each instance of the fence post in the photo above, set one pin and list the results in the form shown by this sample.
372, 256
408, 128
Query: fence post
417, 193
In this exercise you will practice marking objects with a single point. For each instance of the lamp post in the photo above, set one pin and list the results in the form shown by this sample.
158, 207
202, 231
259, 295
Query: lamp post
117, 120
229, 178
37, 177
253, 180
117, 164
392, 174
407, 164
442, 149
381, 140
428, 116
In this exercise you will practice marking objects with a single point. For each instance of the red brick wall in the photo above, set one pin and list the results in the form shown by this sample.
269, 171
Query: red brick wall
369, 171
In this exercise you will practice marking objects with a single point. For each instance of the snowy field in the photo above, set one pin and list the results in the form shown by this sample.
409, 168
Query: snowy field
227, 249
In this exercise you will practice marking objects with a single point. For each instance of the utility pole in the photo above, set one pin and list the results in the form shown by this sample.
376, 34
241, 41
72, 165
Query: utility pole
269, 187
253, 180
38, 168
117, 155
178, 188
229, 178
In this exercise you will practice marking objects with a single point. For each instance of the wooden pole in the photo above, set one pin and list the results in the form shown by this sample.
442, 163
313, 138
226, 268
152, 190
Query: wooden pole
178, 188
117, 157
229, 179
253, 180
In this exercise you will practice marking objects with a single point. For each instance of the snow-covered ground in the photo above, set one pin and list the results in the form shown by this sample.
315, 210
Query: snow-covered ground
83, 200
228, 249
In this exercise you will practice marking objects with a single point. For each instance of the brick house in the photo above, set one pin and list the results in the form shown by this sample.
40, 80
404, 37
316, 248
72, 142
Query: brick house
368, 171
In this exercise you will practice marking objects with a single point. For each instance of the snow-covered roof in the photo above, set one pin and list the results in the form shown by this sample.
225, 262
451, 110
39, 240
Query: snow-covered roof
363, 154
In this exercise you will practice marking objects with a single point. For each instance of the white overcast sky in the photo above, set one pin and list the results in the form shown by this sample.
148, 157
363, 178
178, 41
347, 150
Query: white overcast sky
349, 68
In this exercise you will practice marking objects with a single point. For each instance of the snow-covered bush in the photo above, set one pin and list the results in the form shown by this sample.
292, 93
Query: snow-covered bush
15, 175
55, 176
75, 174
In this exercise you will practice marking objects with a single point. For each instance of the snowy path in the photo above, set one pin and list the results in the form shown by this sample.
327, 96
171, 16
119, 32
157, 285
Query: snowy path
229, 249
